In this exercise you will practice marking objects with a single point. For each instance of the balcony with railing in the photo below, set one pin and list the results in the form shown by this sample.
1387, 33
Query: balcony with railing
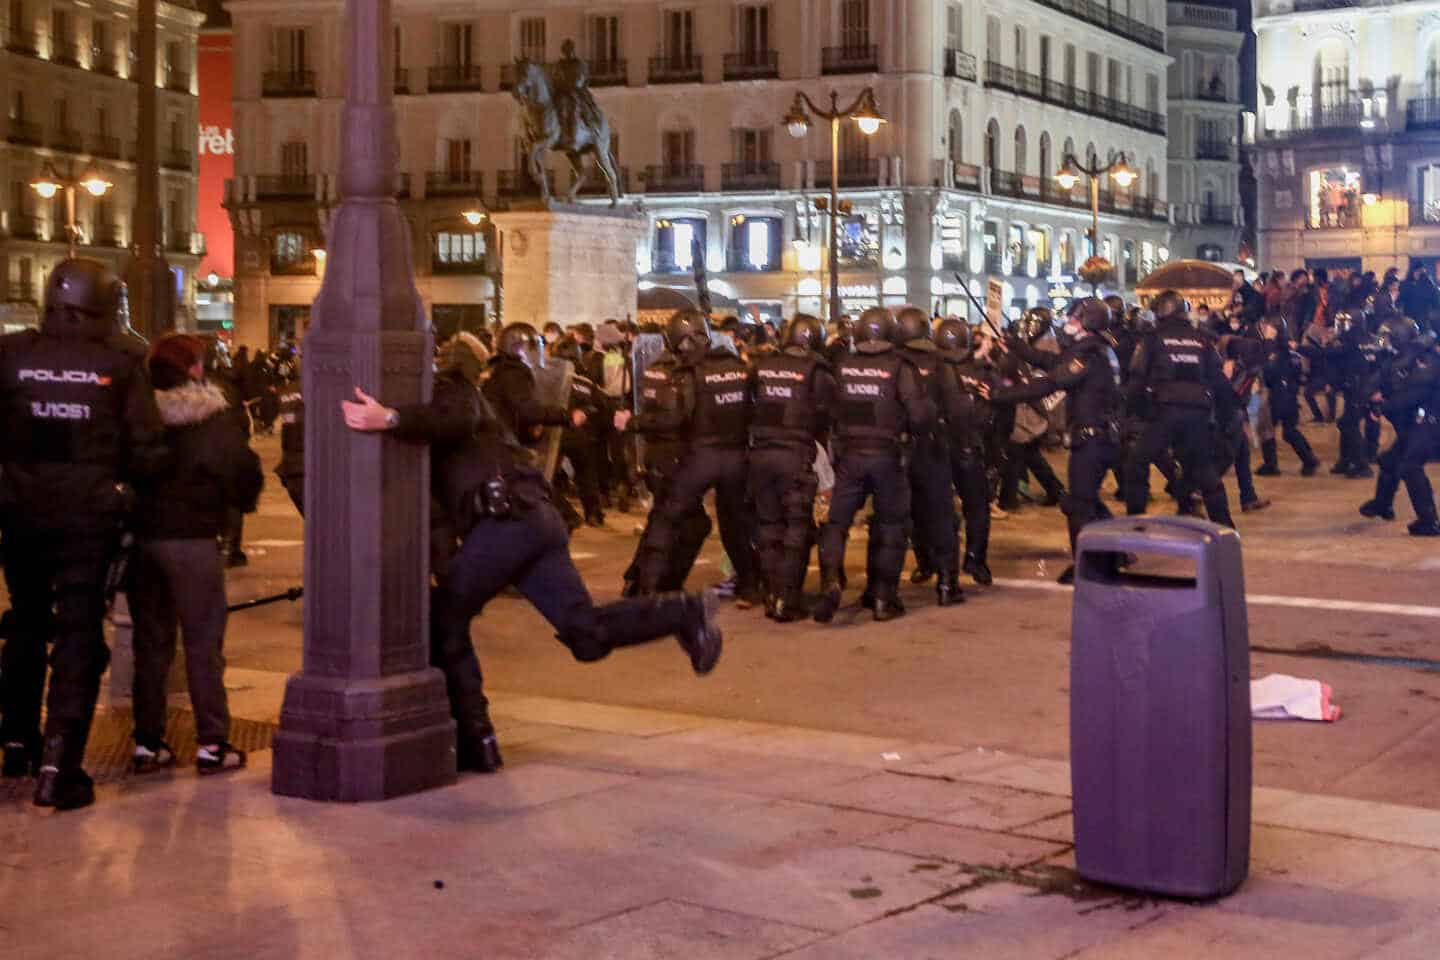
106, 147
995, 263
106, 235
960, 65
1214, 91
1423, 113
855, 172
967, 176
1310, 6
175, 158
20, 40
675, 178
1198, 15
21, 291
287, 83
301, 265
179, 80
1331, 119
859, 58
1214, 150
1215, 215
185, 242
28, 134
25, 226
104, 61
752, 65
1102, 16
285, 186
595, 185
454, 183
1001, 77
750, 175
65, 52
515, 184
456, 78
609, 73
681, 68
69, 141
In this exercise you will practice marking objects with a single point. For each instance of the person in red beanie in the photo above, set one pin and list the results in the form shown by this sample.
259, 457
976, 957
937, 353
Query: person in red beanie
178, 576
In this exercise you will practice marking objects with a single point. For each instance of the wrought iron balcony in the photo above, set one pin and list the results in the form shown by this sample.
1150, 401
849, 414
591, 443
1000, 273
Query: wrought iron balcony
1423, 113
288, 83
21, 291
176, 159
301, 266
854, 172
595, 185
185, 242
106, 235
26, 226
1001, 77
750, 176
1117, 23
675, 178
752, 65
851, 59
65, 52
104, 61
69, 141
20, 40
107, 147
30, 134
456, 77
677, 69
510, 184
1214, 150
454, 267
960, 64
453, 183
1213, 215
285, 186
609, 73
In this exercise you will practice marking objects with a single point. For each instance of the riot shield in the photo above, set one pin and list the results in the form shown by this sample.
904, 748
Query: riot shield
646, 349
552, 389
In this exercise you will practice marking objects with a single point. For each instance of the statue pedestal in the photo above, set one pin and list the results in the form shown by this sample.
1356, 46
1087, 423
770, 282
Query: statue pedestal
569, 264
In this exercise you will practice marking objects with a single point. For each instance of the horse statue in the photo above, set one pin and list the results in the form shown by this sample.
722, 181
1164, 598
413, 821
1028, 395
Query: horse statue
566, 120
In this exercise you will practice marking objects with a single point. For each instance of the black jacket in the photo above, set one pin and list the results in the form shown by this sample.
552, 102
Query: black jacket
211, 468
510, 388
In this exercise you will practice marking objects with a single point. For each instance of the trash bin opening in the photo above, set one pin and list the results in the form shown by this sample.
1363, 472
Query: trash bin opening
1155, 571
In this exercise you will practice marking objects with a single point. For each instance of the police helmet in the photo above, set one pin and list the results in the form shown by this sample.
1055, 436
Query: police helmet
1169, 305
686, 332
804, 332
874, 326
912, 324
82, 300
953, 337
1093, 315
521, 341
1035, 323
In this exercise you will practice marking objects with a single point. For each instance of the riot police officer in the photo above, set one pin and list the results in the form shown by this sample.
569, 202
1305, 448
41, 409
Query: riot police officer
501, 511
1024, 433
1282, 373
967, 419
794, 393
80, 425
1178, 368
714, 413
583, 440
1354, 362
510, 385
1089, 373
881, 400
1407, 385
932, 501
291, 468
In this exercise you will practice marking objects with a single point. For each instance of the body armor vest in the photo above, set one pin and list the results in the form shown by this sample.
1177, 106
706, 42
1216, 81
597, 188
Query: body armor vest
722, 402
1177, 367
785, 412
870, 411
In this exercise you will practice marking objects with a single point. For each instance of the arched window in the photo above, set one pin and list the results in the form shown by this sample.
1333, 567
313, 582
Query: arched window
957, 137
1152, 180
1047, 164
1090, 155
992, 145
1020, 157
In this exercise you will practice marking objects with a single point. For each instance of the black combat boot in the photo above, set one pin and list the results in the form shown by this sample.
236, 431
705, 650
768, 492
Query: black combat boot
22, 758
1376, 510
829, 600
1424, 528
947, 589
689, 617
887, 603
62, 783
976, 569
789, 607
1270, 453
921, 576
476, 749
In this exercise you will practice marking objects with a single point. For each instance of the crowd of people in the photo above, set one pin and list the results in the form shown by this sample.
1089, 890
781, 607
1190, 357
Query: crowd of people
791, 430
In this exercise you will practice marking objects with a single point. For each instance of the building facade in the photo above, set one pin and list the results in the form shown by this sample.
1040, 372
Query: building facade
983, 103
1346, 139
70, 90
1205, 104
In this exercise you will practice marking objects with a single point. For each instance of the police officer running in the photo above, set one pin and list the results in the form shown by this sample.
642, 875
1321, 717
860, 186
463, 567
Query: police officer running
1179, 370
510, 534
880, 401
794, 392
1089, 372
1408, 386
80, 425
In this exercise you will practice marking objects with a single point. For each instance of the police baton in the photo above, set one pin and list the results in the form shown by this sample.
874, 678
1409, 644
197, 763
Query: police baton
293, 594
979, 306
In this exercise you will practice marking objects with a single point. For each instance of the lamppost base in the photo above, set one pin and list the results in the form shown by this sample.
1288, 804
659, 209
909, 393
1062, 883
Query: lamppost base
353, 740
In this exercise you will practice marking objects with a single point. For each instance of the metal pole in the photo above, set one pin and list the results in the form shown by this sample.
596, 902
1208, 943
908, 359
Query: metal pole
834, 208
70, 219
1094, 214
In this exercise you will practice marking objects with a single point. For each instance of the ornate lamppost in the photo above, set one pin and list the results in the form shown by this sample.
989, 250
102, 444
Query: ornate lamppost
50, 183
1096, 268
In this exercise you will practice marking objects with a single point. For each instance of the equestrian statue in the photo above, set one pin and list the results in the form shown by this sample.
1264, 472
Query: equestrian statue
561, 114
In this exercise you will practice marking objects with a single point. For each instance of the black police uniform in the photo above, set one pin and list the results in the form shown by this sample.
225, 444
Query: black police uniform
1424, 446
880, 402
1178, 369
1125, 341
1019, 457
1282, 374
79, 421
291, 469
510, 389
1355, 364
584, 446
1408, 388
1090, 373
967, 419
511, 534
715, 407
936, 531
665, 389
794, 392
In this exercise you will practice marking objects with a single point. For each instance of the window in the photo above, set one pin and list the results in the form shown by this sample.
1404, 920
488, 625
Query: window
752, 148
177, 135
1152, 93
1092, 72
954, 27
604, 40
1047, 162
680, 38
1334, 197
17, 17
992, 40
102, 121
174, 58
532, 39
1112, 78
753, 30
1045, 58
397, 52
294, 159
675, 244
62, 114
100, 37
288, 50
457, 45
956, 137
290, 249
677, 151
953, 230
855, 25
755, 243
1020, 152
992, 146
60, 28
1020, 49
459, 248
1331, 75
457, 158
1070, 65
19, 197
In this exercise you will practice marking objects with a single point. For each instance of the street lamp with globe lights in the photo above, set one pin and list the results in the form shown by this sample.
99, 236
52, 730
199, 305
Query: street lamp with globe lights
1096, 268
868, 118
50, 183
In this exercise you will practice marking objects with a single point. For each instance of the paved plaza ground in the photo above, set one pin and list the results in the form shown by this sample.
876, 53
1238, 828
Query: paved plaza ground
857, 791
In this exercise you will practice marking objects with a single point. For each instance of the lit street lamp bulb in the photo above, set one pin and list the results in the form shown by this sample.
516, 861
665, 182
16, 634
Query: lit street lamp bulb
95, 186
473, 217
46, 188
1124, 177
869, 125
1068, 180
798, 129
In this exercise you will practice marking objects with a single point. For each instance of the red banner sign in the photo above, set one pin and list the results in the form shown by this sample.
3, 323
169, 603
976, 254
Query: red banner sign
217, 154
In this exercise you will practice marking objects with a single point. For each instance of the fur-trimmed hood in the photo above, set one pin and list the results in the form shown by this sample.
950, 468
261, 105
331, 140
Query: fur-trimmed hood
191, 403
